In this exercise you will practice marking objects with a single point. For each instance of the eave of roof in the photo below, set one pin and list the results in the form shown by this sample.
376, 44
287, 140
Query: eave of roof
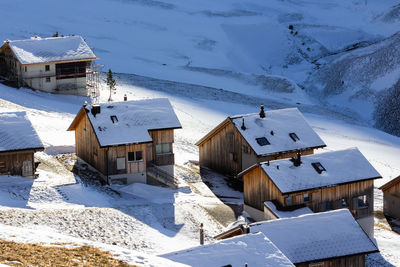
213, 132
390, 183
21, 150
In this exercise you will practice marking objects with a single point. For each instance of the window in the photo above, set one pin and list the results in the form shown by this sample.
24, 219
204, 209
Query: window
166, 148
139, 155
318, 167
26, 68
48, 79
47, 67
362, 201
288, 201
120, 163
2, 164
114, 118
344, 203
135, 156
294, 137
163, 148
158, 149
262, 141
306, 198
328, 205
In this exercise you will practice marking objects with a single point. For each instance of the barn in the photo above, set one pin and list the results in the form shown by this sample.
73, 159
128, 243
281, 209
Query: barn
54, 65
127, 141
326, 239
391, 198
321, 182
18, 144
241, 141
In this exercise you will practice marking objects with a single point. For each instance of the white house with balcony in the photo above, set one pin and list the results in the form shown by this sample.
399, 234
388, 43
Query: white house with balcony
54, 65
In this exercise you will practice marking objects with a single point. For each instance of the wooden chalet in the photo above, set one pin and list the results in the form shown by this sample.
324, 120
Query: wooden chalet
321, 182
18, 144
54, 65
123, 140
391, 198
241, 141
326, 239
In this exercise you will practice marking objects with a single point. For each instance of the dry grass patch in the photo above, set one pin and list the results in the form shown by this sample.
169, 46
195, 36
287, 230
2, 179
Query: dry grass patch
20, 254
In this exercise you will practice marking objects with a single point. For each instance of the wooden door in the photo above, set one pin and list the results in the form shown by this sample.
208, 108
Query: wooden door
27, 168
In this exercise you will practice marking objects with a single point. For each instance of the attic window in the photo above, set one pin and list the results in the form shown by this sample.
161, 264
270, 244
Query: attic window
114, 118
294, 137
318, 167
262, 141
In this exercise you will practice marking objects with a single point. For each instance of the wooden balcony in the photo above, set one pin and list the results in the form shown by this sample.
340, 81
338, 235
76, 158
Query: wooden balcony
164, 159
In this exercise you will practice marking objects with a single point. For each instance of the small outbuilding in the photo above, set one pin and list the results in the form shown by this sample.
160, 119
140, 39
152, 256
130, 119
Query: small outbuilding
124, 140
391, 198
321, 239
245, 250
321, 182
18, 144
54, 65
243, 140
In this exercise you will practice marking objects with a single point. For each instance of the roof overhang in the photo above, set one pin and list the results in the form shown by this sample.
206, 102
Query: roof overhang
390, 183
34, 149
56, 62
213, 132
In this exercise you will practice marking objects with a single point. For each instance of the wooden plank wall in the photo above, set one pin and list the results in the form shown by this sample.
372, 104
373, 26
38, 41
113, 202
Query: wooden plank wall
223, 151
394, 190
258, 188
349, 261
13, 161
162, 137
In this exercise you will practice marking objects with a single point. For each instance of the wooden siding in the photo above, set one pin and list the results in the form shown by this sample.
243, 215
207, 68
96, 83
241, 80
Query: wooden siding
393, 190
12, 162
162, 137
122, 152
349, 261
258, 188
227, 152
223, 151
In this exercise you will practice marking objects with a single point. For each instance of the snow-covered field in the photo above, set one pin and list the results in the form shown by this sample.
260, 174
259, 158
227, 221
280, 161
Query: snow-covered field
211, 59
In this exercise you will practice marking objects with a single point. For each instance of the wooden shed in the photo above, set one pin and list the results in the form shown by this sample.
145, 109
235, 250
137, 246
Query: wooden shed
123, 139
18, 144
321, 182
326, 239
391, 198
54, 65
241, 141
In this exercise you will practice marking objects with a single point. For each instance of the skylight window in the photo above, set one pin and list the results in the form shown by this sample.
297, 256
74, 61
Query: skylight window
114, 118
294, 137
318, 167
262, 141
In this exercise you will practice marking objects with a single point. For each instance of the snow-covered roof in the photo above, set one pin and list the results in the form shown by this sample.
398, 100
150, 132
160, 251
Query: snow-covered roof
253, 249
17, 132
287, 214
54, 49
276, 127
343, 166
133, 120
317, 236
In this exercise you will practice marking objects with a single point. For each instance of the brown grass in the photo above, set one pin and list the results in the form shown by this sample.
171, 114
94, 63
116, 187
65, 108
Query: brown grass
39, 255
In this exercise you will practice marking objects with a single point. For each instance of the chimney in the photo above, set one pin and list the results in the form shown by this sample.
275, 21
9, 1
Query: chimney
245, 228
125, 97
297, 160
272, 133
243, 127
262, 113
95, 110
277, 167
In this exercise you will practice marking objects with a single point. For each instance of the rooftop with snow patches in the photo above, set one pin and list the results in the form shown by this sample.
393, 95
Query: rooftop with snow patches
18, 143
243, 140
251, 249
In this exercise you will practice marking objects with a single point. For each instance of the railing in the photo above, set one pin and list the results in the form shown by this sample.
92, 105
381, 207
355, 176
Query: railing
162, 176
164, 159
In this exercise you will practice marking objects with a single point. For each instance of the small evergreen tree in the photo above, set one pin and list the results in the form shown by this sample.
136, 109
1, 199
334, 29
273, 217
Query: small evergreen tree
111, 83
55, 35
